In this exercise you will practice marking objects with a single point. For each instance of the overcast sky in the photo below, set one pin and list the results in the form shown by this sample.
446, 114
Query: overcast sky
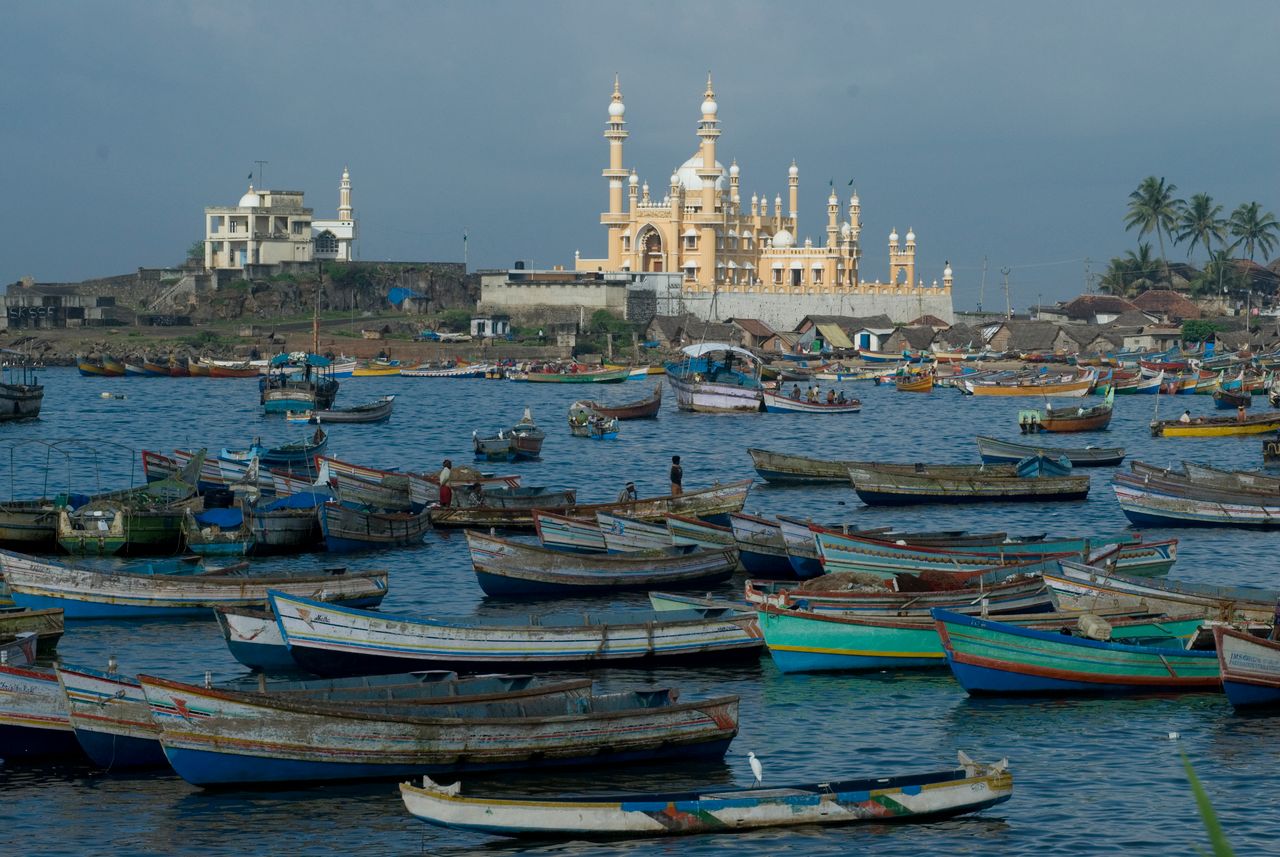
1013, 131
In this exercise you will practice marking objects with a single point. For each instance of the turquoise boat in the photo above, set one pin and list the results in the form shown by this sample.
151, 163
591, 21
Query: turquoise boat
989, 657
803, 641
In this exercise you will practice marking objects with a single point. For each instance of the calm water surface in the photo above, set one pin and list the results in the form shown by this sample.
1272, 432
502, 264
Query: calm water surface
1091, 776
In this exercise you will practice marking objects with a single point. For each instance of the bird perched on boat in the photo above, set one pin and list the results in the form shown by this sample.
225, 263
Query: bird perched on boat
756, 768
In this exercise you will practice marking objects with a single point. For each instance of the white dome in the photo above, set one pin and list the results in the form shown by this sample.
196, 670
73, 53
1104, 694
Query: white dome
946, 272
845, 230
733, 169
831, 200
893, 236
853, 200
250, 199
709, 106
688, 176
794, 170
783, 238
675, 179
617, 108
634, 180
911, 236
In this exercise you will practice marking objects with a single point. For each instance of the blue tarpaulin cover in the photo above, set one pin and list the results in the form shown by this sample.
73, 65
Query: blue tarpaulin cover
304, 500
228, 519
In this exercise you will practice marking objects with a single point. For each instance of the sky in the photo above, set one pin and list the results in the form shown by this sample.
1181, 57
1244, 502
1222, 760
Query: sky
1009, 131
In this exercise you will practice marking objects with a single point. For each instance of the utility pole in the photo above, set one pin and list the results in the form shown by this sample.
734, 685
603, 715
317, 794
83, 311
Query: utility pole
464, 248
260, 164
1088, 277
982, 287
1008, 310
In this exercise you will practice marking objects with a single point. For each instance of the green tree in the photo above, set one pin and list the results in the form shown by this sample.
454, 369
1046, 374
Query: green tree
1201, 223
1132, 273
1198, 330
1154, 208
196, 251
1254, 229
456, 320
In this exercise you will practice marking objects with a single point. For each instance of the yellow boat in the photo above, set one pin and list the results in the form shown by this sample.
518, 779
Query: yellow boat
1218, 426
914, 383
376, 369
1062, 388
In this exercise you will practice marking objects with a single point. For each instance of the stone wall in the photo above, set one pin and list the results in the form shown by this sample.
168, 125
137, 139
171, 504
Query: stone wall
785, 311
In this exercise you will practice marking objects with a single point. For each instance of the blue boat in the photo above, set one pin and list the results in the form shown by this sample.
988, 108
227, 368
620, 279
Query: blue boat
989, 657
33, 716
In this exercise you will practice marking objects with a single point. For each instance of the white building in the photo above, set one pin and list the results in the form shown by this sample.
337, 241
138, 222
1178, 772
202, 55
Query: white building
270, 226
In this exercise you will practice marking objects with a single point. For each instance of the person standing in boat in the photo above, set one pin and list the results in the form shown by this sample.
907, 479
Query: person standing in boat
677, 476
446, 490
1240, 414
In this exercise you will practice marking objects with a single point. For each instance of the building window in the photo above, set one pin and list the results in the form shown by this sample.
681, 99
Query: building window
215, 224
326, 242
690, 242
817, 276
777, 276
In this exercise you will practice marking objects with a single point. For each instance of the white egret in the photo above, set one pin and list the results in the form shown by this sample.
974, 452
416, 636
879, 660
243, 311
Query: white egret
756, 768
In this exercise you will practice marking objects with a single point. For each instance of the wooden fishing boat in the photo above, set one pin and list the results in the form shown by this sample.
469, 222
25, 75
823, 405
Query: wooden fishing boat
1017, 593
231, 369
1226, 400
1093, 418
788, 468
762, 549
254, 639
155, 369
332, 640
197, 369
103, 367
113, 723
1146, 507
777, 403
47, 625
704, 383
584, 422
990, 657
33, 715
1076, 586
1218, 426
21, 393
697, 533
134, 370
879, 486
1250, 668
807, 641
248, 738
706, 502
914, 382
353, 529
469, 370
970, 788
505, 569
1032, 387
29, 524
388, 490
376, 369
288, 524
995, 451
19, 650
88, 594
643, 409
598, 376
98, 532
218, 532
371, 412
628, 535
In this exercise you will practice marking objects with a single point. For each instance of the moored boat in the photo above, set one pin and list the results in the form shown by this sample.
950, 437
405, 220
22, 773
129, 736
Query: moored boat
705, 384
970, 788
641, 409
1076, 586
880, 486
1218, 426
1250, 668
776, 403
353, 529
995, 451
370, 412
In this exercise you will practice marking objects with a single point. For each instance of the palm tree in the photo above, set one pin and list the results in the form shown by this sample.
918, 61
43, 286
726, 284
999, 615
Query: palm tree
1154, 208
1200, 223
1130, 274
1253, 229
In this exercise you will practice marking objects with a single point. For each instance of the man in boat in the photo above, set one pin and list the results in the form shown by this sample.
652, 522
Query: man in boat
446, 491
677, 476
841, 399
1185, 418
795, 392
628, 493
831, 396
1240, 414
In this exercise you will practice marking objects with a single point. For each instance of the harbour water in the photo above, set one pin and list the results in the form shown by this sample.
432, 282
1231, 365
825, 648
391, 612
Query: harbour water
1091, 776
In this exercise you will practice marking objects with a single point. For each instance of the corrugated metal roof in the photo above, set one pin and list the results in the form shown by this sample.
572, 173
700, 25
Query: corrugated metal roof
834, 336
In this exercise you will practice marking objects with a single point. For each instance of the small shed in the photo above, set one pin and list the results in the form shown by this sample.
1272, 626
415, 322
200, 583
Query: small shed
490, 325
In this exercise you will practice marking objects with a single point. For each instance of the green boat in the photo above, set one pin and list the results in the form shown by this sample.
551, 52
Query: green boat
603, 376
802, 641
989, 657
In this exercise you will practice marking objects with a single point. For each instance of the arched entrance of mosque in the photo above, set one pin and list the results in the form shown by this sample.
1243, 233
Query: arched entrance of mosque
651, 256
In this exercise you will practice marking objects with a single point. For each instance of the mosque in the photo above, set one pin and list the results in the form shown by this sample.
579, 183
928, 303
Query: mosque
750, 261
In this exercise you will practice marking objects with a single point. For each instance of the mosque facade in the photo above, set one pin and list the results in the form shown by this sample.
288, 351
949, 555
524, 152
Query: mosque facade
740, 258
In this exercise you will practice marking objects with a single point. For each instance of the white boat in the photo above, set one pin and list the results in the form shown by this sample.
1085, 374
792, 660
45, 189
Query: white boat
704, 384
777, 403
622, 534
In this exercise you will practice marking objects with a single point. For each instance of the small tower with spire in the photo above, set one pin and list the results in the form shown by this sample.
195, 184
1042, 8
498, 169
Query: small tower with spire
615, 131
793, 189
833, 215
344, 197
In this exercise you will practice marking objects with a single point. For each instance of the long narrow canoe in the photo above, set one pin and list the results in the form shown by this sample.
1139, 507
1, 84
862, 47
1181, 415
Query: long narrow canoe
113, 722
1020, 593
86, 594
877, 486
248, 738
870, 555
707, 502
505, 568
1250, 668
995, 451
989, 657
941, 794
1085, 587
331, 640
1152, 506
801, 641
603, 376
784, 468
1218, 426
1035, 388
